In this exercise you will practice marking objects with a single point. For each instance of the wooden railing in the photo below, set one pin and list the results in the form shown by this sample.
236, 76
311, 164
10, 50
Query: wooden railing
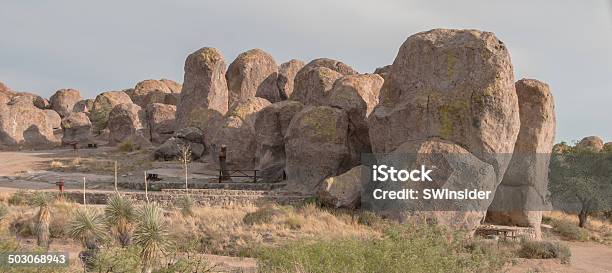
225, 175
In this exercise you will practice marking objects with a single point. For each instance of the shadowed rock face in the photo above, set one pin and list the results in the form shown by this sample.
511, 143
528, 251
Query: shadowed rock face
286, 76
204, 96
161, 121
22, 124
522, 194
141, 94
63, 101
253, 73
315, 80
126, 120
77, 128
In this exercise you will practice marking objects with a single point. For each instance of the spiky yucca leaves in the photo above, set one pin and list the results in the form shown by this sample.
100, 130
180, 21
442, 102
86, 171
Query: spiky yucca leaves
43, 218
185, 203
120, 216
87, 226
151, 234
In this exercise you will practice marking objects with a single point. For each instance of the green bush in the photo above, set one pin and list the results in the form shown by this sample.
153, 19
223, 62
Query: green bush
3, 211
294, 222
18, 199
544, 250
127, 145
401, 249
262, 215
369, 218
570, 231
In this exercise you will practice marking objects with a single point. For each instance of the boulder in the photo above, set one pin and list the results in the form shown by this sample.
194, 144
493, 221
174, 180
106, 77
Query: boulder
63, 101
311, 87
22, 124
457, 85
172, 98
126, 120
54, 119
316, 147
204, 97
286, 77
343, 191
608, 147
191, 136
383, 71
253, 73
593, 143
271, 127
161, 121
334, 65
4, 98
41, 103
142, 90
238, 134
102, 106
522, 195
77, 128
85, 106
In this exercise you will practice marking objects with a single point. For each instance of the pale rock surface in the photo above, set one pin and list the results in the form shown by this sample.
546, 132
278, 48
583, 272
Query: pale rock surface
77, 128
253, 73
161, 121
343, 191
63, 101
125, 120
286, 76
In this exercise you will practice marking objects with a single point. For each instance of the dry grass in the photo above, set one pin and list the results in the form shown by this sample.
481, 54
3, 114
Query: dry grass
224, 231
104, 164
596, 229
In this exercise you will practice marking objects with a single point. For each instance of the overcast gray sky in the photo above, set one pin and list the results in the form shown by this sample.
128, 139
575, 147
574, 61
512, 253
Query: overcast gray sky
97, 46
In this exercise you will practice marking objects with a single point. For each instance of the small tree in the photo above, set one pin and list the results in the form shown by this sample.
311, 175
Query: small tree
43, 218
185, 158
584, 177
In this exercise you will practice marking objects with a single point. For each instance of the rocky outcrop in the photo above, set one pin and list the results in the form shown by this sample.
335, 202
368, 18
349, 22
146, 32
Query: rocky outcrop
522, 195
343, 191
204, 97
141, 94
85, 106
357, 95
271, 127
191, 137
77, 128
41, 103
286, 77
103, 105
593, 143
456, 85
316, 147
314, 80
253, 73
383, 71
127, 120
238, 134
53, 118
24, 125
63, 101
161, 121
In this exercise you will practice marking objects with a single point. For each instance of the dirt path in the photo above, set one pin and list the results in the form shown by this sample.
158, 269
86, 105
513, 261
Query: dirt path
586, 257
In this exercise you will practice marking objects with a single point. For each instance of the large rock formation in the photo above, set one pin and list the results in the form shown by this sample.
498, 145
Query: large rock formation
126, 120
271, 127
103, 105
457, 85
85, 106
357, 95
77, 128
63, 101
141, 94
523, 192
53, 118
593, 143
383, 71
190, 137
204, 97
314, 80
22, 124
161, 121
343, 191
238, 134
316, 147
253, 73
286, 77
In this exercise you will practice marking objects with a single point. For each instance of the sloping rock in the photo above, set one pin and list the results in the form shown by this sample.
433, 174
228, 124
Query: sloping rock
238, 134
42, 103
593, 143
316, 147
343, 191
457, 85
103, 105
286, 76
161, 121
383, 71
140, 93
63, 101
85, 106
334, 65
22, 124
4, 98
191, 136
53, 118
271, 127
312, 86
204, 97
77, 128
523, 192
253, 73
126, 120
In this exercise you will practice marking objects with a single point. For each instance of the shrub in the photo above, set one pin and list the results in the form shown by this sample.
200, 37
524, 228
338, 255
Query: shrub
262, 215
151, 234
401, 249
294, 222
87, 226
369, 218
120, 217
569, 231
127, 145
185, 204
544, 250
3, 211
18, 198
117, 260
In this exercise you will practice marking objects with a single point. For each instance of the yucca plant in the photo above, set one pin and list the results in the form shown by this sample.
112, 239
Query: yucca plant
120, 216
185, 203
151, 234
43, 218
87, 226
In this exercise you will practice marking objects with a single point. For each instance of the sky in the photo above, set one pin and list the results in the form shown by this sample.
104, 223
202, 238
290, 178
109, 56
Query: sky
97, 46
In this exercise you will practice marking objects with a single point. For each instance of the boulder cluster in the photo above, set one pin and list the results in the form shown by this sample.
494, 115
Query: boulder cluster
447, 92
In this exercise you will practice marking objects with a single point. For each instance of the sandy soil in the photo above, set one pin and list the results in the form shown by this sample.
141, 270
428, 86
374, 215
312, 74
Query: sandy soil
586, 257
